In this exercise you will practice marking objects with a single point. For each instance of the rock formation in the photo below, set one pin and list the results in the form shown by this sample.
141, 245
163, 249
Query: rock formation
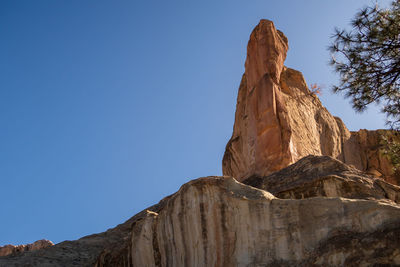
11, 249
323, 176
291, 206
279, 120
217, 221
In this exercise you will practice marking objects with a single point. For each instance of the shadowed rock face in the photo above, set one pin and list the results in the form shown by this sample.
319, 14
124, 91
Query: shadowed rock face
279, 120
82, 252
11, 249
324, 176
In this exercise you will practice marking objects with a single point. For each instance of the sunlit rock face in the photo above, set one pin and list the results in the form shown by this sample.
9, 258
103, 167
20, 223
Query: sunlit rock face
279, 120
261, 135
217, 221
327, 214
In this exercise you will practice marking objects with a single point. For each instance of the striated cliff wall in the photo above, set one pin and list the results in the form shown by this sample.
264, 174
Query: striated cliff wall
217, 221
327, 214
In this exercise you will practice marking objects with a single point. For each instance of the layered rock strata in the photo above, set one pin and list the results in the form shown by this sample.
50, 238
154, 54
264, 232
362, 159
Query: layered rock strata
218, 221
324, 176
279, 120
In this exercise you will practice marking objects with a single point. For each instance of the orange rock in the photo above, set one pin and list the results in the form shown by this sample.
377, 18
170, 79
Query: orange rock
260, 139
279, 120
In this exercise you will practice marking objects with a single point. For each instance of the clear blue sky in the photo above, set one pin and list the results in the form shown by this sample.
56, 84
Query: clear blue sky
108, 106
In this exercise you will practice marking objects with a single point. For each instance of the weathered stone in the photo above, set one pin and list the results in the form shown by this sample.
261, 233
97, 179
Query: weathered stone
369, 154
279, 120
11, 249
324, 176
217, 221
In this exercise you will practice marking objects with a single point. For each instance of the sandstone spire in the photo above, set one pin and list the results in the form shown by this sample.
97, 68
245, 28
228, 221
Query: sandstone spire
279, 120
259, 143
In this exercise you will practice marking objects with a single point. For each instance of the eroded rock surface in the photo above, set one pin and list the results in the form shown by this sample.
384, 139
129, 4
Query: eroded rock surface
11, 249
261, 135
82, 252
217, 221
324, 176
279, 120
370, 153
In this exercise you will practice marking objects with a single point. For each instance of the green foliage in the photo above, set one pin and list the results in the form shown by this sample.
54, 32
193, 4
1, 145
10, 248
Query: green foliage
391, 149
368, 60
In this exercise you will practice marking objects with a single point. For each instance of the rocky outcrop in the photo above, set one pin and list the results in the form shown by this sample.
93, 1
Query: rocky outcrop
333, 215
217, 221
11, 249
279, 120
82, 252
324, 176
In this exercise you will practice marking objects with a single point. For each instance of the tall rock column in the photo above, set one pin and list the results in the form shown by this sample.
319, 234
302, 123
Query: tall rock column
261, 136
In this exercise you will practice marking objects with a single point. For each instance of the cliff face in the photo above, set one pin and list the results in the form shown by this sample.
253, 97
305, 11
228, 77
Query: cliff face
290, 207
327, 213
369, 155
217, 221
279, 120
